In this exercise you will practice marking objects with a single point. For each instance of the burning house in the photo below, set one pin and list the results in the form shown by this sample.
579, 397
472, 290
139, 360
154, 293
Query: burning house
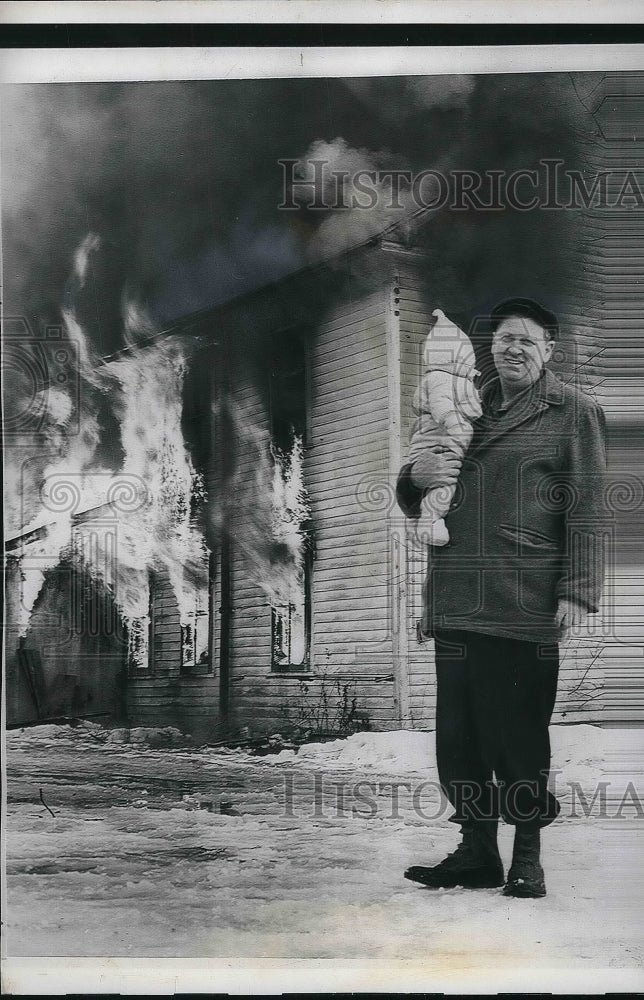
241, 565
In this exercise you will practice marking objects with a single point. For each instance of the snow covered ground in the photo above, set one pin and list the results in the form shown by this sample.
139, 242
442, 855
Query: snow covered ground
240, 861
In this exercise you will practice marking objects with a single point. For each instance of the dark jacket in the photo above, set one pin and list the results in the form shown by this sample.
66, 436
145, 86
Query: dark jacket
528, 519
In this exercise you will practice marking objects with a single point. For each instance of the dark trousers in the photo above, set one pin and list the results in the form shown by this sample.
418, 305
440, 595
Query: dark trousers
494, 702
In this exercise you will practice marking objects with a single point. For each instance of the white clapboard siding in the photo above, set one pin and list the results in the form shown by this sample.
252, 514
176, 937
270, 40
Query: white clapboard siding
602, 673
190, 704
164, 696
414, 323
350, 425
607, 323
346, 454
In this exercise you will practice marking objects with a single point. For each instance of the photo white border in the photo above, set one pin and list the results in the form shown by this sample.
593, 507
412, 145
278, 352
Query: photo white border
209, 63
165, 977
321, 11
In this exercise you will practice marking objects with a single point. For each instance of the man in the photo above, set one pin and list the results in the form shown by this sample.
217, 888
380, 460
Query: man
523, 566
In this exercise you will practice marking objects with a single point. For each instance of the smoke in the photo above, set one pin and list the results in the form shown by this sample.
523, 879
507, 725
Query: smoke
171, 176
452, 92
182, 180
339, 228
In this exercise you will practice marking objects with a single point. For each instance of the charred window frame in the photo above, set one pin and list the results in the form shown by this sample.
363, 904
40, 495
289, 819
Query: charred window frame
196, 642
289, 393
290, 630
140, 638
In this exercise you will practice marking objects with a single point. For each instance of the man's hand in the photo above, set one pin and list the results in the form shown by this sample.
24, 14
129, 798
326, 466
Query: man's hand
437, 466
569, 614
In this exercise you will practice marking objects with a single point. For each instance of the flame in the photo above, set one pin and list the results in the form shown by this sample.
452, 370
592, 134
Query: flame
140, 517
289, 502
159, 532
137, 325
63, 488
151, 497
90, 245
265, 508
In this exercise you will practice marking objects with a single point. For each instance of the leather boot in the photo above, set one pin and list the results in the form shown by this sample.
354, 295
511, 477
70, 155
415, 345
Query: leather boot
525, 878
475, 864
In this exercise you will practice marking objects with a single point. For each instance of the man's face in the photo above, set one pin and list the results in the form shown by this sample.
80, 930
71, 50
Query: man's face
520, 348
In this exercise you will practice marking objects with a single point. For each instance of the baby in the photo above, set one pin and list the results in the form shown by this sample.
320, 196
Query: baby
446, 404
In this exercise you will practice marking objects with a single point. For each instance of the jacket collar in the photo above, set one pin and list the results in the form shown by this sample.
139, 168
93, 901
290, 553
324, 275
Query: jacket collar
551, 388
546, 391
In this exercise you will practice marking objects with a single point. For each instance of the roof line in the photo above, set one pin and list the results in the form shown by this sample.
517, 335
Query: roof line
416, 216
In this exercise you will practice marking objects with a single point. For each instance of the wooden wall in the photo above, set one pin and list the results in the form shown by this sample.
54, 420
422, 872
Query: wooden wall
602, 668
414, 325
344, 310
190, 703
160, 695
606, 317
345, 464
